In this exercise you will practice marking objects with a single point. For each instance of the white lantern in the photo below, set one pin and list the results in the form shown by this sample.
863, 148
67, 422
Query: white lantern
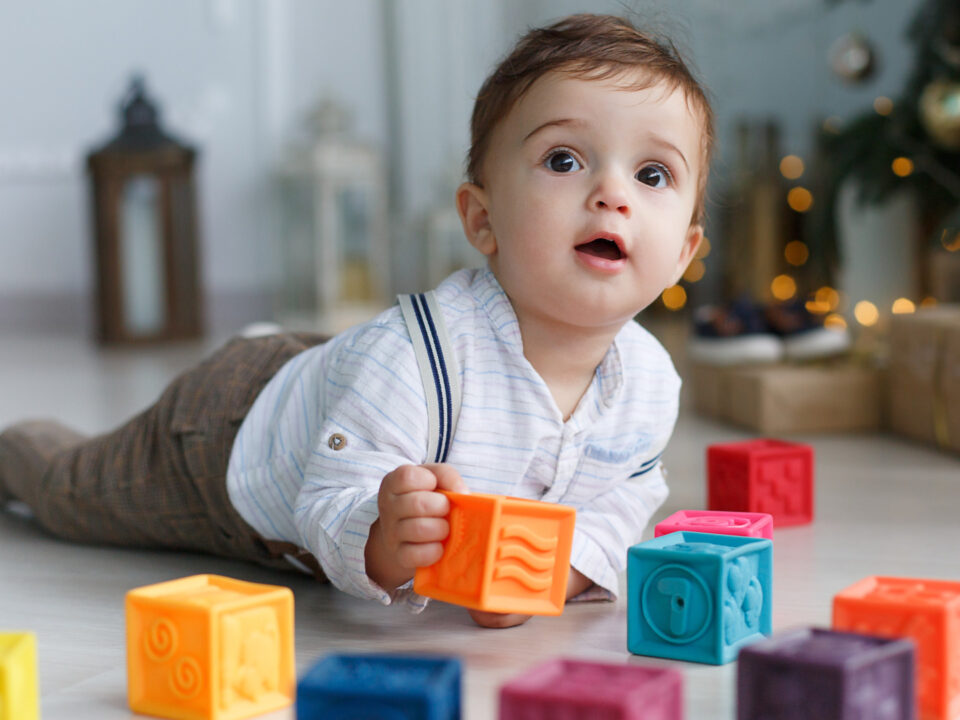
333, 206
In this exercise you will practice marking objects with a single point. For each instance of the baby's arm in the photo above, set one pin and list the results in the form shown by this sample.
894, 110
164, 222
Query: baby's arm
411, 524
576, 584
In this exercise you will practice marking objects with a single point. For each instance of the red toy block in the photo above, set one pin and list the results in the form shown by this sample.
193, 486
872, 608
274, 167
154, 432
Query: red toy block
581, 690
766, 476
927, 612
723, 522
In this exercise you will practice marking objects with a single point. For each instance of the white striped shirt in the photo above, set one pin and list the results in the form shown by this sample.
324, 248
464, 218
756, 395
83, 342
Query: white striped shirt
288, 483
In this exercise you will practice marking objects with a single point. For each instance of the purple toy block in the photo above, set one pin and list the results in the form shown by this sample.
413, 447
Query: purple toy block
814, 674
580, 690
724, 522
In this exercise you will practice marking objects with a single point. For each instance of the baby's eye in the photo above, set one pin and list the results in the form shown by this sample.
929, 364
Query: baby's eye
562, 161
656, 176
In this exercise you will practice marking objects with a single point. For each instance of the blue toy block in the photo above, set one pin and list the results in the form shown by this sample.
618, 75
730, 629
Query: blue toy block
386, 687
698, 596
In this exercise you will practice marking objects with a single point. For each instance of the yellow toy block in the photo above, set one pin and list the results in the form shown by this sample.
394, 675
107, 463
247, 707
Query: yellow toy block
503, 554
18, 677
208, 647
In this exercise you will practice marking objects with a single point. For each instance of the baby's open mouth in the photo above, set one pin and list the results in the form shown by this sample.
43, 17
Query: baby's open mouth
601, 247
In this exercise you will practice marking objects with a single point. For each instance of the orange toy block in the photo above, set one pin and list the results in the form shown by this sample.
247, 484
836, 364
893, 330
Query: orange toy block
503, 555
927, 612
209, 648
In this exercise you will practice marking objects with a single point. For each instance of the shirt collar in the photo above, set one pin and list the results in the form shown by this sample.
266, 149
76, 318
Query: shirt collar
608, 378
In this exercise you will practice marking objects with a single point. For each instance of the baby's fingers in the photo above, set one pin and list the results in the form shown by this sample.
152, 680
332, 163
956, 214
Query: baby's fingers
408, 478
420, 505
447, 477
422, 530
414, 555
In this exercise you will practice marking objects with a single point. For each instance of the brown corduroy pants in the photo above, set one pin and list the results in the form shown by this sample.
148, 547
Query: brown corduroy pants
159, 480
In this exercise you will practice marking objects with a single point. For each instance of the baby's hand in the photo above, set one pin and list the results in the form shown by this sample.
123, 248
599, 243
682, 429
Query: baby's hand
412, 524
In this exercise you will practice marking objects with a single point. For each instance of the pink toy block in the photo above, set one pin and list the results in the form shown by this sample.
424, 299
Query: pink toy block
579, 690
766, 476
722, 522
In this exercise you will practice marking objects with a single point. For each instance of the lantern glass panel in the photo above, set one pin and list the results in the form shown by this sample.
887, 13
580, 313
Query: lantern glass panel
299, 288
141, 256
354, 229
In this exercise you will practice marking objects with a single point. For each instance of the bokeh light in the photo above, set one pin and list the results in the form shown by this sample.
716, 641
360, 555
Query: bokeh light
800, 199
903, 306
796, 252
695, 270
817, 308
828, 296
866, 313
928, 302
883, 105
674, 297
902, 167
704, 248
783, 287
791, 167
950, 240
834, 321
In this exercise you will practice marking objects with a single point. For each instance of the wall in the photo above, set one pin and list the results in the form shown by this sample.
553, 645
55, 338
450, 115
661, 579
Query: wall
238, 76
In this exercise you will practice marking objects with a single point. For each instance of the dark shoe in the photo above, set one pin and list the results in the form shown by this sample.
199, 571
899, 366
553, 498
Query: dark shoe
803, 333
733, 334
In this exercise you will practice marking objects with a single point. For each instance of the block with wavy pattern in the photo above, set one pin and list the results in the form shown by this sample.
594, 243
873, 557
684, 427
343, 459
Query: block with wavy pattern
503, 554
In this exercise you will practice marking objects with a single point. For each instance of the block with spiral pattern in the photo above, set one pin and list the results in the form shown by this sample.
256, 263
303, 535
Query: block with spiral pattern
503, 554
208, 647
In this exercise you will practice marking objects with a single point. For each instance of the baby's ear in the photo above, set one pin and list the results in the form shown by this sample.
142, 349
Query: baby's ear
472, 206
690, 246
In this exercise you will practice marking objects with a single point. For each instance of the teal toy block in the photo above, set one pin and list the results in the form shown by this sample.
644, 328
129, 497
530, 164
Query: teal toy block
698, 596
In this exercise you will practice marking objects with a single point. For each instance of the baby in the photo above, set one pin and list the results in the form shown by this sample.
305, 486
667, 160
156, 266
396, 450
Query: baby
590, 150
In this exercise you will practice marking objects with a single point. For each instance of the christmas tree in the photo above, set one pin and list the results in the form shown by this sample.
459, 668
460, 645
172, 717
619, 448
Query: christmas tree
910, 144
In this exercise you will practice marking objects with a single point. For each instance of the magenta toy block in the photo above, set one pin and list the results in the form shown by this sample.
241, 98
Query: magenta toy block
724, 522
580, 690
766, 476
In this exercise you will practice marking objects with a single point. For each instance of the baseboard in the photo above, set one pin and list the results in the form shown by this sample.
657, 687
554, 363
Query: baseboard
73, 313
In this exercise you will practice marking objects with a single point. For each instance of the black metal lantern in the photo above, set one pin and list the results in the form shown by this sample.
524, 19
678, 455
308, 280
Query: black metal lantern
145, 235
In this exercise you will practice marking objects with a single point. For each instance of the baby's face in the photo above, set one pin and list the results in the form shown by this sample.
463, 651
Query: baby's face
590, 187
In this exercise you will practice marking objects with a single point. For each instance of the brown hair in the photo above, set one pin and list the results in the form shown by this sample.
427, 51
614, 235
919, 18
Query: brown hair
597, 47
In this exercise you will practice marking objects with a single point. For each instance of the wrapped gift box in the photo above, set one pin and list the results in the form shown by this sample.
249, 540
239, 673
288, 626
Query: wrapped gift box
923, 384
779, 399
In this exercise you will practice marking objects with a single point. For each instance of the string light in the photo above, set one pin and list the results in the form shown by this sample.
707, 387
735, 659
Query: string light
799, 199
883, 105
674, 297
783, 287
834, 321
817, 308
695, 270
902, 167
903, 306
828, 296
950, 244
791, 167
866, 313
832, 125
796, 252
704, 248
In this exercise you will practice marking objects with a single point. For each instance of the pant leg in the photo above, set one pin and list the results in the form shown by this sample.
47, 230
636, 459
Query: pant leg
159, 480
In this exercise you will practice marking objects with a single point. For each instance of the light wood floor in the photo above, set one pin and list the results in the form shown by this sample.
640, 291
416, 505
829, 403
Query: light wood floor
884, 506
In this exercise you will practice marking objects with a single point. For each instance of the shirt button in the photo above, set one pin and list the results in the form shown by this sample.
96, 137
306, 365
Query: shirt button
337, 442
